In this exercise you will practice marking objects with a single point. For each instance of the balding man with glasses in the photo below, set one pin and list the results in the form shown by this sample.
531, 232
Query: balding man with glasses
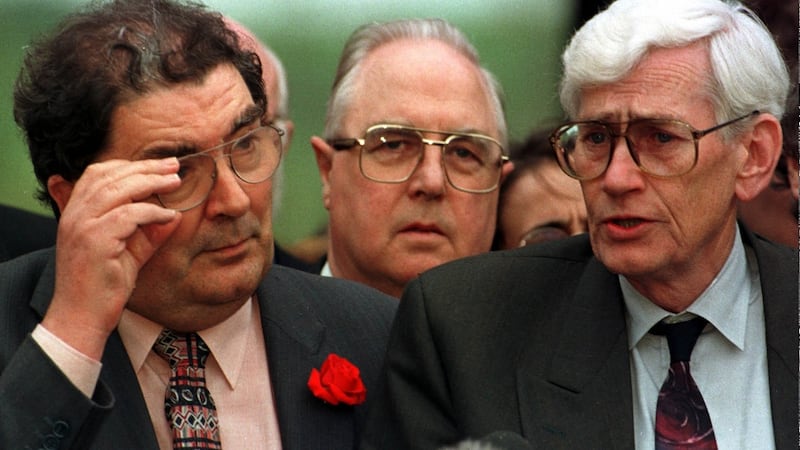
412, 155
670, 325
158, 320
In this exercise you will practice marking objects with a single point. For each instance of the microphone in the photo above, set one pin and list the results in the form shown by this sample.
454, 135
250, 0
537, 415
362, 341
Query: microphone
497, 440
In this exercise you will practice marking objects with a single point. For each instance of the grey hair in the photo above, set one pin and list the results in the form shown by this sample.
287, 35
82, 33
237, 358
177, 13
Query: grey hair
281, 112
748, 72
282, 108
371, 36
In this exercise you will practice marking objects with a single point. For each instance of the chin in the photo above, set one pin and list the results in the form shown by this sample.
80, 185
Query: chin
238, 281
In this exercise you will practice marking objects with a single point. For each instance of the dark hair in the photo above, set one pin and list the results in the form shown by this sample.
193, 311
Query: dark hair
530, 153
790, 140
73, 80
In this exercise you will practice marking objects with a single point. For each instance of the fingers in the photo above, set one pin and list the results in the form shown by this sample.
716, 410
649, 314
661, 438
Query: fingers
109, 228
143, 239
110, 184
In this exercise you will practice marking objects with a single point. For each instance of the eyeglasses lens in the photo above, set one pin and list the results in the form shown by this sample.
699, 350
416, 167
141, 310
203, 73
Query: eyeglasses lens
391, 155
659, 147
253, 158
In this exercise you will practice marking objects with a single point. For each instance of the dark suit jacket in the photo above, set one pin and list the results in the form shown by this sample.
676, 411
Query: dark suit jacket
23, 232
305, 318
534, 341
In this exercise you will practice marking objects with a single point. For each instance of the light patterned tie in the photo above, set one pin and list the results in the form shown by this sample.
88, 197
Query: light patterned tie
190, 409
682, 420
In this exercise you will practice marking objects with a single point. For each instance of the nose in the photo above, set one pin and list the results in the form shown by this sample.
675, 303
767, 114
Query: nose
622, 173
428, 179
227, 196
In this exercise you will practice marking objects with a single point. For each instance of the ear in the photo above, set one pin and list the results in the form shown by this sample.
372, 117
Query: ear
60, 189
324, 154
507, 168
763, 145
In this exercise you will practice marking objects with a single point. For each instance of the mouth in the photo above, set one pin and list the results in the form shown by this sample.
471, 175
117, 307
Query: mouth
422, 228
624, 226
427, 229
229, 247
627, 222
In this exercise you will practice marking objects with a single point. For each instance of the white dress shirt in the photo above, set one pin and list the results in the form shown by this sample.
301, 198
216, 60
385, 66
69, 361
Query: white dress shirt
728, 363
237, 375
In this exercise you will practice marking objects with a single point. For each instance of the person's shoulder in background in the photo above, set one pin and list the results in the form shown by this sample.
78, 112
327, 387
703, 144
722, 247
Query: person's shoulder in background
23, 232
287, 258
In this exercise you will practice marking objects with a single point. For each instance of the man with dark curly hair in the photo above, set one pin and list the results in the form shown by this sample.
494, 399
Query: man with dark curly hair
158, 320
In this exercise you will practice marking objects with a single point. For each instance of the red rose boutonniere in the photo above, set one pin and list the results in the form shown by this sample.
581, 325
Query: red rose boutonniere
338, 381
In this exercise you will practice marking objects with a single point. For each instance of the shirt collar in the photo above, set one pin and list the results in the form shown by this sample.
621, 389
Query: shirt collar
724, 303
227, 340
326, 270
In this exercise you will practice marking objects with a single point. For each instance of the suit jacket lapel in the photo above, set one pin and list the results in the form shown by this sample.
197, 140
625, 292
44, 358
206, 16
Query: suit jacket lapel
129, 421
295, 341
584, 394
780, 313
592, 351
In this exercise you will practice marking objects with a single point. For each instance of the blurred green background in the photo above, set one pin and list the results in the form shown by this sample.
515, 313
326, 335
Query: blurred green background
518, 40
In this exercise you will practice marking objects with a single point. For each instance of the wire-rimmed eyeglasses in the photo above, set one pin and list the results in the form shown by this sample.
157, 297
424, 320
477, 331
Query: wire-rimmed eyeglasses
391, 153
659, 147
253, 157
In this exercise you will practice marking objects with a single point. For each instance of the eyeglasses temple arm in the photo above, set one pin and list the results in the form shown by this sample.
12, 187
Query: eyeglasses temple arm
345, 144
700, 133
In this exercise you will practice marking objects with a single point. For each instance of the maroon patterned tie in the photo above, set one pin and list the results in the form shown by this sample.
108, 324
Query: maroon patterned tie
682, 420
190, 409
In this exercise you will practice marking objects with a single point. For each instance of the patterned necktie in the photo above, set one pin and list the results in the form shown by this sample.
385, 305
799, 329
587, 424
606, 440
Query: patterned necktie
190, 409
682, 420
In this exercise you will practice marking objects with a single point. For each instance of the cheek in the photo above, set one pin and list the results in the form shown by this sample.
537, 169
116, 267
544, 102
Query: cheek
260, 199
590, 206
352, 193
476, 218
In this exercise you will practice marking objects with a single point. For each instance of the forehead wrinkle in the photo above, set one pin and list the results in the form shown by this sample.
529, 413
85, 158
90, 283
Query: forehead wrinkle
250, 115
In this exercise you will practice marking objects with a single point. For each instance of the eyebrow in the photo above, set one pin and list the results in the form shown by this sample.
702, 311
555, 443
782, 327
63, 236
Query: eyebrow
253, 114
611, 119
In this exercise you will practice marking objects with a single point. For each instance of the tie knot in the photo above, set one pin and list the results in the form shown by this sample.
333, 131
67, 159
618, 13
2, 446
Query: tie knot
181, 349
681, 337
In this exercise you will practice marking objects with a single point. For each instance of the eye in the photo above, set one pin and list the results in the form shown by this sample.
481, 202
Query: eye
393, 142
189, 166
246, 143
663, 137
597, 137
593, 135
467, 150
659, 133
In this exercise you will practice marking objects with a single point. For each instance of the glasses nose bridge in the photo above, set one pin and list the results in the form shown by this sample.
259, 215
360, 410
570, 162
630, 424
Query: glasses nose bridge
215, 167
615, 139
423, 143
434, 142
437, 142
